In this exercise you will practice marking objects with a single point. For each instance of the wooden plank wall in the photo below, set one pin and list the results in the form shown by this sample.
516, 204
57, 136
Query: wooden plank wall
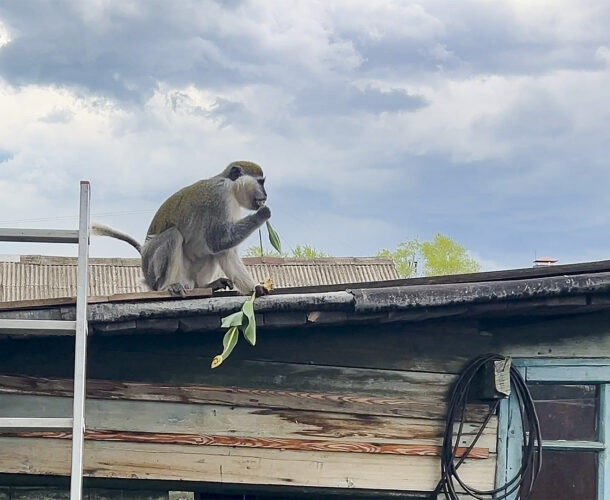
354, 407
46, 493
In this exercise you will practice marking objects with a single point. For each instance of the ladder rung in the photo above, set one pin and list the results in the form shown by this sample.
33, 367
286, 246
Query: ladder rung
33, 424
23, 326
39, 235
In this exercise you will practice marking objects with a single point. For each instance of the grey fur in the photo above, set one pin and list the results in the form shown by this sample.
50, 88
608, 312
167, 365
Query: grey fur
103, 230
194, 235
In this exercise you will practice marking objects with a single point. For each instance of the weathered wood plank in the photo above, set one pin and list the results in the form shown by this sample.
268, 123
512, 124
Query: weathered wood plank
181, 495
119, 297
236, 465
421, 450
152, 295
52, 493
437, 346
322, 317
181, 357
41, 493
15, 305
258, 398
149, 416
308, 377
284, 319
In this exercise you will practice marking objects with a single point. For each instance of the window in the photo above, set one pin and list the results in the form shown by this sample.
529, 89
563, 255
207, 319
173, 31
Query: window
572, 399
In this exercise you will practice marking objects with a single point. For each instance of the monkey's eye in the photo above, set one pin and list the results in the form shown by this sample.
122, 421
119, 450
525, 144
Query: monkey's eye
261, 181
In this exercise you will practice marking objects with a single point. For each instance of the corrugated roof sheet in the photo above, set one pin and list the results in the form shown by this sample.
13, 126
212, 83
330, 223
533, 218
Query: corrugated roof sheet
32, 277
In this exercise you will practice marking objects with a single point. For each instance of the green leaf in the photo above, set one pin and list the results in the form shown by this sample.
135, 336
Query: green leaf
274, 238
249, 330
228, 342
235, 319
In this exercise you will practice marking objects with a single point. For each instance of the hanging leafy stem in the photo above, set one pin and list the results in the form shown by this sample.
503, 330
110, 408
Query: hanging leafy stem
274, 238
243, 320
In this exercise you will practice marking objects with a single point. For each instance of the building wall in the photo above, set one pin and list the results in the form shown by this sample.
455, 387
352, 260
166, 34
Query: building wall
352, 407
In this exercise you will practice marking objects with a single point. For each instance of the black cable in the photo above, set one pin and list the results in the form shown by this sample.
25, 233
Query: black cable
456, 413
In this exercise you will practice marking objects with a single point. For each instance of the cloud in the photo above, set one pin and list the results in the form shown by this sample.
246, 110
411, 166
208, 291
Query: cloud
348, 99
58, 116
124, 50
375, 121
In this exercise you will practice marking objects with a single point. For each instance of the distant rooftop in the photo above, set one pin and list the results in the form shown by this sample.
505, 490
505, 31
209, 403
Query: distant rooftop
545, 261
34, 277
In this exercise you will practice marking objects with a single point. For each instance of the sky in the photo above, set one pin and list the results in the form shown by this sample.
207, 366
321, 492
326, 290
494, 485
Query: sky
375, 122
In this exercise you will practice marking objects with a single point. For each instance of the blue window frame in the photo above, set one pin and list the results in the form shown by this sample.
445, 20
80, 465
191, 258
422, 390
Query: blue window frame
557, 371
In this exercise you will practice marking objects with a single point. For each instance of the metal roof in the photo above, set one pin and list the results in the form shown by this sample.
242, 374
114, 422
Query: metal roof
32, 277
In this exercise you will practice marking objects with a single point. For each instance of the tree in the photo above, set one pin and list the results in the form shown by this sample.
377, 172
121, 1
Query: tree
298, 252
440, 256
405, 257
307, 252
255, 251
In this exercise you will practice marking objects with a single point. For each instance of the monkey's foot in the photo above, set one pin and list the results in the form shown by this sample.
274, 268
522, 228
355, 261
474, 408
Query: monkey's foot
179, 289
260, 290
220, 284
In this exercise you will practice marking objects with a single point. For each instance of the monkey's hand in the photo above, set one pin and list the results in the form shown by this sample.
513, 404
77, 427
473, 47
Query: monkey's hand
179, 289
260, 290
263, 213
220, 284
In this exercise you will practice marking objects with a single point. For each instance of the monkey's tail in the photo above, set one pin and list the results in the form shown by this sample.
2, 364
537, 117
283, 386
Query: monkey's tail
103, 230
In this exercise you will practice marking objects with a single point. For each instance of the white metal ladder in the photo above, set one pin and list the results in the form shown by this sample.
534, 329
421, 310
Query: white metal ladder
78, 328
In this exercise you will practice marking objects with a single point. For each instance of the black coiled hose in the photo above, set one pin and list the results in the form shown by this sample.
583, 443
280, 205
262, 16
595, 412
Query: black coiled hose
532, 440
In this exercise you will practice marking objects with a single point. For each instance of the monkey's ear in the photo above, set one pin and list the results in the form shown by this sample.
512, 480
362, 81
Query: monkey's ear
235, 173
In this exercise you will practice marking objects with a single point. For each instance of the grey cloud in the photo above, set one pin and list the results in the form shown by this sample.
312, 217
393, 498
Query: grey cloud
58, 116
491, 38
224, 111
348, 99
124, 51
484, 37
535, 117
498, 207
122, 54
228, 112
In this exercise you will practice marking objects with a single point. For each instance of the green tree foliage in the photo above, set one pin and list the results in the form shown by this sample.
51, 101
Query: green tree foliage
440, 256
255, 251
299, 252
307, 252
405, 257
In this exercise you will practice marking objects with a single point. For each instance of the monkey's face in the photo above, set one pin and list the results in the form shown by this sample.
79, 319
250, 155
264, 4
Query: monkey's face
250, 191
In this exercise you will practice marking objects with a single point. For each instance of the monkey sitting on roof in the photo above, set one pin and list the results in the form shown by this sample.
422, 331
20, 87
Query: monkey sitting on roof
196, 232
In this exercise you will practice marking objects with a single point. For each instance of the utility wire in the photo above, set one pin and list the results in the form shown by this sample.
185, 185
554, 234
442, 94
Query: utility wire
531, 437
